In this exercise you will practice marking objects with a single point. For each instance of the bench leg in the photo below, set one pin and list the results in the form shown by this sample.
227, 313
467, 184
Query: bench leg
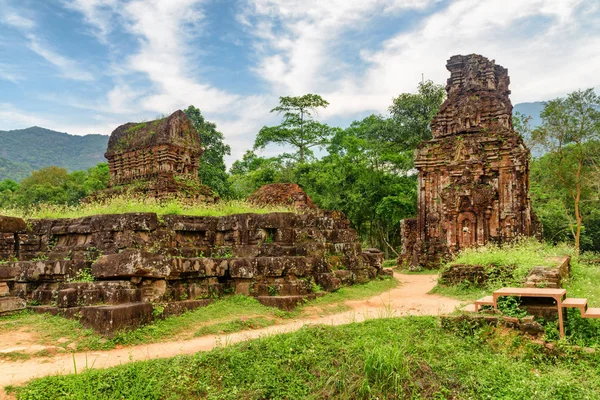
561, 325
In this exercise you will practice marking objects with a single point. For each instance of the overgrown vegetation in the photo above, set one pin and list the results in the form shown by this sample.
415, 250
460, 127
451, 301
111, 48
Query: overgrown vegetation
410, 357
126, 204
524, 255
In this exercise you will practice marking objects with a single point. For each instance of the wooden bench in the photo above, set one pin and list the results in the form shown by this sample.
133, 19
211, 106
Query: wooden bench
557, 294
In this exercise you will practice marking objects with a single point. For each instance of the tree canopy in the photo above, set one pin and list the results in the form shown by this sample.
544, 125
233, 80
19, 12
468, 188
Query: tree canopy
212, 171
299, 129
569, 128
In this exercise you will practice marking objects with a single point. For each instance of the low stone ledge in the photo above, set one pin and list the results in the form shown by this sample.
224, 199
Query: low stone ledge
9, 304
287, 303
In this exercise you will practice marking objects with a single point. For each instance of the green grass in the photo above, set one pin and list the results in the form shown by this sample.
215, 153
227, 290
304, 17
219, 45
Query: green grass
124, 204
399, 358
525, 254
236, 325
226, 315
585, 281
15, 356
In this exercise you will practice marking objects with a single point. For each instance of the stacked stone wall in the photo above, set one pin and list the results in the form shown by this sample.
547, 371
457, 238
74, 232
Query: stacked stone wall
180, 262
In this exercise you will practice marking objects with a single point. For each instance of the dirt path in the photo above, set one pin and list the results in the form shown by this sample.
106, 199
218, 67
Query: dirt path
409, 298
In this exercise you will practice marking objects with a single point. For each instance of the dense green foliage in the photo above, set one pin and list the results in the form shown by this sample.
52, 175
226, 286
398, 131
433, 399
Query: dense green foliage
411, 357
212, 171
553, 202
53, 185
13, 170
570, 132
299, 129
35, 148
412, 113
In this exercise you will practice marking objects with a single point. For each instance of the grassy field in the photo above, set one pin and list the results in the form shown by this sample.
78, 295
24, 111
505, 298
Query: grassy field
398, 358
230, 314
524, 255
123, 204
527, 254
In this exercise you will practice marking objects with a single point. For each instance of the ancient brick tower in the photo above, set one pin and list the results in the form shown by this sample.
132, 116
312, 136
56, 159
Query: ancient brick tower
473, 176
158, 158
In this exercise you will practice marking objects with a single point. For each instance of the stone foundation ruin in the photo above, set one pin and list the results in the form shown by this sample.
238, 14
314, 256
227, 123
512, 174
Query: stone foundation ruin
473, 176
119, 271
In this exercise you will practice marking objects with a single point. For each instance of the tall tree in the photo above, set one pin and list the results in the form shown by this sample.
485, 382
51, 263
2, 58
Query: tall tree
412, 113
299, 129
212, 171
568, 125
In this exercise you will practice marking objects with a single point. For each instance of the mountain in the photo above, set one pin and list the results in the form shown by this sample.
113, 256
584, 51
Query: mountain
26, 150
531, 109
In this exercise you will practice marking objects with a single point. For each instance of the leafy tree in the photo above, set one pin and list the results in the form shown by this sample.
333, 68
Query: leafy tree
54, 185
413, 112
299, 129
553, 203
253, 171
568, 127
8, 185
212, 171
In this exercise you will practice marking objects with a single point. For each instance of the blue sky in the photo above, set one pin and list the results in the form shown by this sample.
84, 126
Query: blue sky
87, 66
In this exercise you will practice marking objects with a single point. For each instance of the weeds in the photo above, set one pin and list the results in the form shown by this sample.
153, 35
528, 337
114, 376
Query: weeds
402, 358
125, 204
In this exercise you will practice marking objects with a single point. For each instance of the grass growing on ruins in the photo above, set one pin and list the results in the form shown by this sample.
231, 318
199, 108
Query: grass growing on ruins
226, 315
525, 254
123, 204
412, 357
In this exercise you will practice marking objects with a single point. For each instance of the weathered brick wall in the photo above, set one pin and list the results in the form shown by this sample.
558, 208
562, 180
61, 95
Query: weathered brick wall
278, 258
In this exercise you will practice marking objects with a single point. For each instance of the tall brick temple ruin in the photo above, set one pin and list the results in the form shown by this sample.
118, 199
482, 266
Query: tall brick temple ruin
157, 158
473, 176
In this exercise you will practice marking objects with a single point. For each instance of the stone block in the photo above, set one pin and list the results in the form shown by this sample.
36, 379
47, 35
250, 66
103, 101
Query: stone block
4, 289
271, 266
287, 303
345, 276
8, 304
67, 298
132, 263
329, 282
242, 267
109, 319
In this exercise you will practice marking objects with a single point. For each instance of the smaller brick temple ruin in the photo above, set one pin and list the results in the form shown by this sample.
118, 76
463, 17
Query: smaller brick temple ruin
473, 176
158, 158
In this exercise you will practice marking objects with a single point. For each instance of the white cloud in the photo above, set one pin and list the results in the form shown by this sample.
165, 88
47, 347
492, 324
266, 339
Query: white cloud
8, 73
97, 13
302, 46
298, 57
69, 68
10, 17
12, 117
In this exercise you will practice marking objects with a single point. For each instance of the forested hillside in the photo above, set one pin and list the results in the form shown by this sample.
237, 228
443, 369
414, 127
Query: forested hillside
25, 150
